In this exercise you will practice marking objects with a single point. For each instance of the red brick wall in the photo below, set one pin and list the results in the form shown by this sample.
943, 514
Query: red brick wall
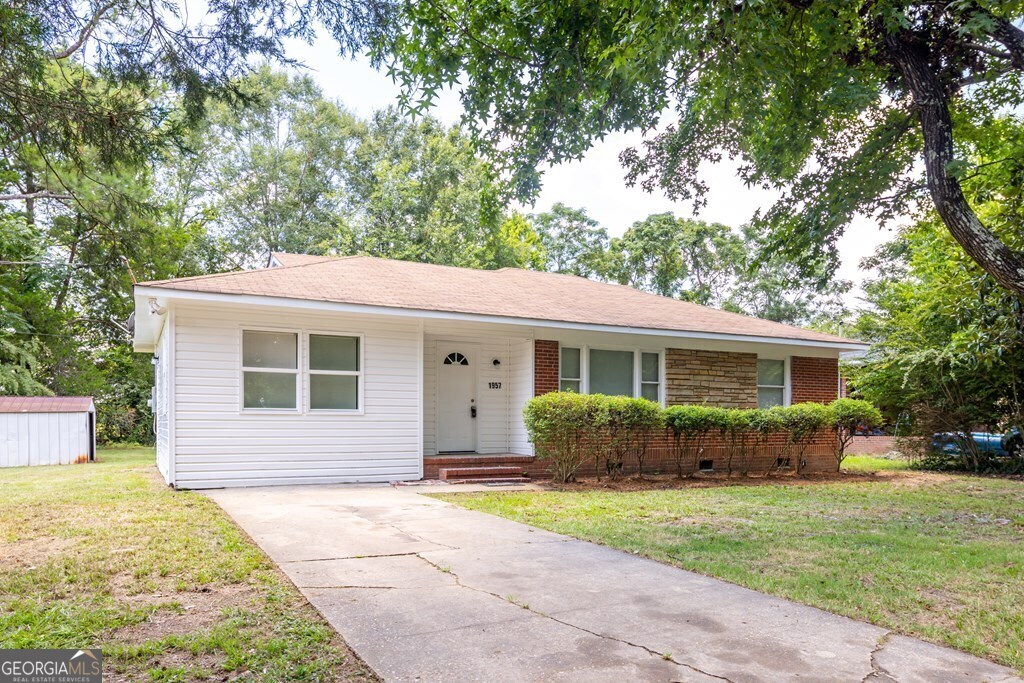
814, 379
872, 445
545, 366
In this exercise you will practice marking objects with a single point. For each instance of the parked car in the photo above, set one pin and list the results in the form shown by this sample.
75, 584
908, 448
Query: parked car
997, 445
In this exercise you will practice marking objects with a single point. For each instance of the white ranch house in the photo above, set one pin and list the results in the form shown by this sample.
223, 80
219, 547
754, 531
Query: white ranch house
358, 369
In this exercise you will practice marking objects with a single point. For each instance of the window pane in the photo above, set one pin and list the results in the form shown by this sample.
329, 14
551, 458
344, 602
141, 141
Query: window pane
333, 392
768, 397
771, 372
570, 363
327, 352
649, 367
611, 372
269, 390
269, 349
650, 392
569, 385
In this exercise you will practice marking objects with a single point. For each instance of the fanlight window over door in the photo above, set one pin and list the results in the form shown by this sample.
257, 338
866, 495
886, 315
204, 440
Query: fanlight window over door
455, 358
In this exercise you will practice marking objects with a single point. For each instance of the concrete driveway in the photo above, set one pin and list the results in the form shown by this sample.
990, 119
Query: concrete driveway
426, 591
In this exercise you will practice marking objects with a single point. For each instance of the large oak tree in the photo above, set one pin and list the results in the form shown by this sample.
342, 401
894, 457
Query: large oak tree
837, 104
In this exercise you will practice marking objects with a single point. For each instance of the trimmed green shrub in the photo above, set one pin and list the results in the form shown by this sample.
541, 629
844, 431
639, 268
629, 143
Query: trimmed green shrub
690, 427
563, 427
763, 423
801, 422
643, 420
614, 436
627, 425
566, 428
847, 414
737, 430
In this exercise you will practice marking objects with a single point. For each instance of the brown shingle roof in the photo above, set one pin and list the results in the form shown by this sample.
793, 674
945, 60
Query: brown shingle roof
286, 259
507, 292
45, 404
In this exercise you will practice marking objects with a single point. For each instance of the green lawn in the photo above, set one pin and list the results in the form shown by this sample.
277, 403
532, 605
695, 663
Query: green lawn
936, 556
105, 555
870, 463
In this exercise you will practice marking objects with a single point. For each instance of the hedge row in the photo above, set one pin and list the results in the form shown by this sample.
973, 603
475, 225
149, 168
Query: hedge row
569, 429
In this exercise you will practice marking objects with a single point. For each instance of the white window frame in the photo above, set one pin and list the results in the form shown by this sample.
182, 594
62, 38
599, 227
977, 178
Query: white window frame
787, 386
660, 383
570, 379
637, 366
360, 381
242, 369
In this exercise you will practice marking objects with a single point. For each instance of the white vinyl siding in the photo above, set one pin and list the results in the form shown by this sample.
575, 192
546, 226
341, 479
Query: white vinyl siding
217, 443
520, 391
161, 410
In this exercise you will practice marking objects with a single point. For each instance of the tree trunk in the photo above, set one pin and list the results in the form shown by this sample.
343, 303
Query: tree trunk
931, 101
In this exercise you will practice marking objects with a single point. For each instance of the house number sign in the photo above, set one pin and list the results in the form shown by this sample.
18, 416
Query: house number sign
494, 385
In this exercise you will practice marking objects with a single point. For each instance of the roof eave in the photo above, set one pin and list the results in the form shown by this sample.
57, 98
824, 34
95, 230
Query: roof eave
143, 292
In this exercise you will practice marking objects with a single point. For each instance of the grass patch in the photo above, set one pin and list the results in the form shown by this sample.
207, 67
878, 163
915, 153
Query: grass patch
871, 463
935, 556
104, 555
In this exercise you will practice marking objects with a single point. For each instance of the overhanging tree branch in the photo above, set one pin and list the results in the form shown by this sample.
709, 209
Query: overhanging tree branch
931, 102
26, 196
1012, 39
86, 31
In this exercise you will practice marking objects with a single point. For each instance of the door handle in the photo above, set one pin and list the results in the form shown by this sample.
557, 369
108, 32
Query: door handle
472, 411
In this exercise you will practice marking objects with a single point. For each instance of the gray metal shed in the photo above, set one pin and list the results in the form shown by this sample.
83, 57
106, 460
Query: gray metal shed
47, 430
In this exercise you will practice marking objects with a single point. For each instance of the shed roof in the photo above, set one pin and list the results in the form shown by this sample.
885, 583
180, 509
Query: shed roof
46, 404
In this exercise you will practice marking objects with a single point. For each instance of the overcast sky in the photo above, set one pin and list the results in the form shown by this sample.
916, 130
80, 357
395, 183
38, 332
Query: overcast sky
595, 182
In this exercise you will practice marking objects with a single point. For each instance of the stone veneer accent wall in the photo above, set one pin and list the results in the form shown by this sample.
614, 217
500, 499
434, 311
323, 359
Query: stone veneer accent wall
545, 366
714, 378
814, 379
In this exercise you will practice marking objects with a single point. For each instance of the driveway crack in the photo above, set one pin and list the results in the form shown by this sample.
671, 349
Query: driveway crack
346, 557
420, 538
384, 588
878, 673
661, 655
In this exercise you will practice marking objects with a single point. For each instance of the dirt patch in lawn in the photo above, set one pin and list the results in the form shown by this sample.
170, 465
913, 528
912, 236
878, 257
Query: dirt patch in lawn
187, 666
31, 552
178, 613
666, 482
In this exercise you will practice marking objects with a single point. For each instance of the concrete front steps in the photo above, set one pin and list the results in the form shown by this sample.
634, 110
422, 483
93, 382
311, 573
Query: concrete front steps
482, 474
478, 469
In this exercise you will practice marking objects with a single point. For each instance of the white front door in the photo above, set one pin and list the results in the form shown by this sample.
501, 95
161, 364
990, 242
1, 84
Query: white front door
456, 398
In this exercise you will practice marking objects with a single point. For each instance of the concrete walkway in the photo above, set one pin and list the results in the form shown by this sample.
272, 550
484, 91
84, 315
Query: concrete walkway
426, 591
